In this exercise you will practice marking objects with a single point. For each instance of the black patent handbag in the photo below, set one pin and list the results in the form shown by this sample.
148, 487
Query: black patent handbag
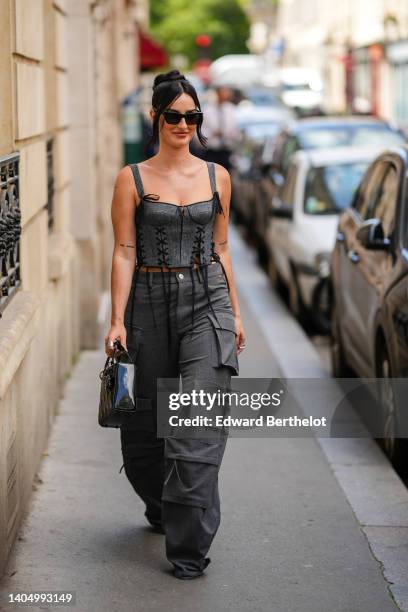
117, 399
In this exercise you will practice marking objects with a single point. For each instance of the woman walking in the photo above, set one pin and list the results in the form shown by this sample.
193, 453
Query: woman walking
177, 313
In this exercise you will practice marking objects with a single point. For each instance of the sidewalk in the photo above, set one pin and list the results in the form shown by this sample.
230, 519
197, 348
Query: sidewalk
289, 540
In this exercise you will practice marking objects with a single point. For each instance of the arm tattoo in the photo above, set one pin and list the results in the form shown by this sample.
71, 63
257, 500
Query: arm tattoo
132, 246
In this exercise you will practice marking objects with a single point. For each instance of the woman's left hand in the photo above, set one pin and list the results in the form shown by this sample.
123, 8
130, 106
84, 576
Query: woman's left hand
240, 339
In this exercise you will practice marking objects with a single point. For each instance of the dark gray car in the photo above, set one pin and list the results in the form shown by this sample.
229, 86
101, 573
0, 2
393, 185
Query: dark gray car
369, 281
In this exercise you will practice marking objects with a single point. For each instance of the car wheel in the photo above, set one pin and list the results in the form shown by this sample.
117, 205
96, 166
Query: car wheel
273, 273
339, 365
262, 253
395, 448
321, 309
294, 299
296, 305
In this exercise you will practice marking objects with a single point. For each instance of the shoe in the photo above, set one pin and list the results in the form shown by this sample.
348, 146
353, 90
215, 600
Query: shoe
183, 575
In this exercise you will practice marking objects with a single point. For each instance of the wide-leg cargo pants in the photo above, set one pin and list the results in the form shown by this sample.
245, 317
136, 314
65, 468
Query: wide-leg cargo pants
177, 478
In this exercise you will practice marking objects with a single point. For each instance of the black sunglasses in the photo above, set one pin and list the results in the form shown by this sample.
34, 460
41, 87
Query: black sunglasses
174, 117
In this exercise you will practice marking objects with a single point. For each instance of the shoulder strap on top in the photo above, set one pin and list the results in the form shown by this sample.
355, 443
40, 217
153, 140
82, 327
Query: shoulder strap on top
218, 206
138, 179
211, 171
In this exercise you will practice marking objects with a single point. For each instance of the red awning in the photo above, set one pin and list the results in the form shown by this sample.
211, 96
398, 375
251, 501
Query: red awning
152, 55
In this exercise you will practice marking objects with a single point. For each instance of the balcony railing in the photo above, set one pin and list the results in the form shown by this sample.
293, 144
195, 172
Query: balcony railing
10, 228
50, 182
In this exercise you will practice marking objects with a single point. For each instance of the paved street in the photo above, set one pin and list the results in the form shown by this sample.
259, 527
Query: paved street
289, 539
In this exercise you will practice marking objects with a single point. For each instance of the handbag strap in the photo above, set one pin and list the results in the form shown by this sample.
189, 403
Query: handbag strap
114, 357
118, 351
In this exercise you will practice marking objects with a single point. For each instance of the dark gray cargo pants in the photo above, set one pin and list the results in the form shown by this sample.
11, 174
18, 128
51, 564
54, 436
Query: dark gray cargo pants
177, 478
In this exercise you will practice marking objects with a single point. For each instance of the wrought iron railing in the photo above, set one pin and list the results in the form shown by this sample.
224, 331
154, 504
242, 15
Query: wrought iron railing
50, 182
10, 228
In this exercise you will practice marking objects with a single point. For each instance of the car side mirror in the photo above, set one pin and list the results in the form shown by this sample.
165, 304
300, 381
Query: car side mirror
371, 235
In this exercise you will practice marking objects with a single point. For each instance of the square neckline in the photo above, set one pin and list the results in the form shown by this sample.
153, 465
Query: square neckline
177, 205
212, 185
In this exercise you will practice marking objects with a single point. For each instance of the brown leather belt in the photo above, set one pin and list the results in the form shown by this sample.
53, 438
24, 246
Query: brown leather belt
173, 269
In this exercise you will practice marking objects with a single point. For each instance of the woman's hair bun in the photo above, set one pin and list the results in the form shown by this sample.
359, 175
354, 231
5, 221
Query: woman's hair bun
166, 77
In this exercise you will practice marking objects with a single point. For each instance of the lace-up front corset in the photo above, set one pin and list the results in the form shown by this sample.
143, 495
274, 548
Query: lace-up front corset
172, 235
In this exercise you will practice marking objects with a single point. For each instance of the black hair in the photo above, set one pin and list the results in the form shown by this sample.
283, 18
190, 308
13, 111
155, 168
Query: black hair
167, 87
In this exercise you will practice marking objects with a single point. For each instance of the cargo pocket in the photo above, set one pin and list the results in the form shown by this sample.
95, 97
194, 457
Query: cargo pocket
195, 449
191, 471
190, 482
226, 348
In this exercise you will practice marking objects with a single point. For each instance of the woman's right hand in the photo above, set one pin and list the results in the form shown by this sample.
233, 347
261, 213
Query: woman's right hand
116, 332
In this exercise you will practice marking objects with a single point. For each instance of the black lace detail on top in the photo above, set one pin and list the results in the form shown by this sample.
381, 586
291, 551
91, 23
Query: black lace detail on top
140, 246
198, 247
162, 246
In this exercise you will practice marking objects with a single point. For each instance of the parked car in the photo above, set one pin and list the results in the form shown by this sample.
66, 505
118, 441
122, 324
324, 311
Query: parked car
302, 89
243, 70
302, 232
262, 121
256, 124
262, 96
369, 280
325, 132
313, 133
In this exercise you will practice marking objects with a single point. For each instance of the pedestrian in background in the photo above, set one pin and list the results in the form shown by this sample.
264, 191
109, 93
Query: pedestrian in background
220, 127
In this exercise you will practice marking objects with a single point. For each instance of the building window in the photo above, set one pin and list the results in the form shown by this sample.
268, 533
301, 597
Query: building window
10, 228
50, 182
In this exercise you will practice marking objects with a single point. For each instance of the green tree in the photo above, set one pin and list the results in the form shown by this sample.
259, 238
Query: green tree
176, 23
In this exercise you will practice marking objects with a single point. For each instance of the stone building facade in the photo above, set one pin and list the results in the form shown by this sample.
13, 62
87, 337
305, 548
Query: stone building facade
360, 49
65, 66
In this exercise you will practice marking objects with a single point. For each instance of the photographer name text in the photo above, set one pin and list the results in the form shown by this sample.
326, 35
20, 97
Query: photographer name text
260, 421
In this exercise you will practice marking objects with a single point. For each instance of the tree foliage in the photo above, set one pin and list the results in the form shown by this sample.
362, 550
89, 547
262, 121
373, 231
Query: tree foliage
176, 23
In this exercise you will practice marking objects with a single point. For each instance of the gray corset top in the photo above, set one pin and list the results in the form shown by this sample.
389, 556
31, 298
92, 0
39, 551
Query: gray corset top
175, 235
